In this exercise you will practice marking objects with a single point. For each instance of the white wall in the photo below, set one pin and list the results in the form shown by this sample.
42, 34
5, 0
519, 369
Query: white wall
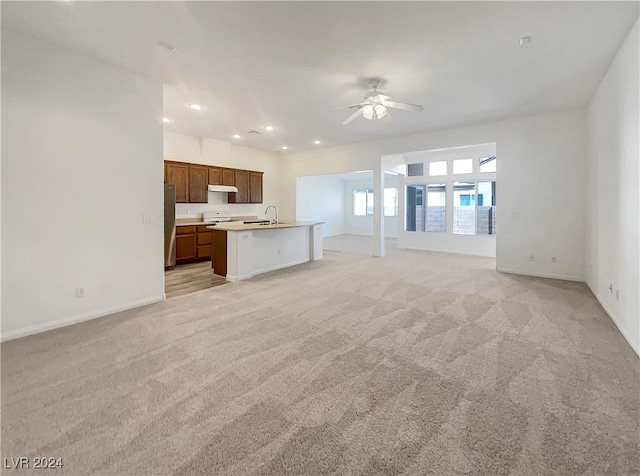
363, 225
197, 150
537, 153
613, 200
321, 198
82, 163
356, 225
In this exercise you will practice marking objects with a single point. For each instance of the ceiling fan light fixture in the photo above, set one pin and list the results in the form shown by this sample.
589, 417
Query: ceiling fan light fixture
380, 111
374, 112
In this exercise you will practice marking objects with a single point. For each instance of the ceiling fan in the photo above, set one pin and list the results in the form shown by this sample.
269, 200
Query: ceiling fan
375, 105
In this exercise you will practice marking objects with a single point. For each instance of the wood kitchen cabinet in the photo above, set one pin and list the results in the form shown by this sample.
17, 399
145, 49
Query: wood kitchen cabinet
220, 176
228, 177
249, 186
203, 242
178, 174
242, 184
198, 181
255, 187
219, 253
193, 243
185, 244
192, 181
215, 176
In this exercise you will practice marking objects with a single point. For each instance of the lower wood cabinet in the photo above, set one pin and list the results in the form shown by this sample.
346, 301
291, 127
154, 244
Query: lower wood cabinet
219, 253
185, 244
193, 243
203, 242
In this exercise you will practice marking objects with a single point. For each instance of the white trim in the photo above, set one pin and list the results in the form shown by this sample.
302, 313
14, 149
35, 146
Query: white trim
634, 345
450, 252
564, 277
68, 321
233, 278
281, 266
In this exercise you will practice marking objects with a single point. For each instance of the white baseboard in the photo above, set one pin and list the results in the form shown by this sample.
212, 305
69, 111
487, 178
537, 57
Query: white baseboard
623, 330
450, 252
68, 321
281, 266
564, 277
233, 278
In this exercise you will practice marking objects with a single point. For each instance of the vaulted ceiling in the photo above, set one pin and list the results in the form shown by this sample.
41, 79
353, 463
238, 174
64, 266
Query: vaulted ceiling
288, 64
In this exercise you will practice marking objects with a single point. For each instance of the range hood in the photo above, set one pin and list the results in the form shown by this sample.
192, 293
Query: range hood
222, 188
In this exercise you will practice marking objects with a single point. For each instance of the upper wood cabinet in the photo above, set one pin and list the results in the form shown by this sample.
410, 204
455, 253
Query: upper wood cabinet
192, 181
228, 177
220, 176
215, 176
198, 178
249, 186
255, 187
242, 183
178, 174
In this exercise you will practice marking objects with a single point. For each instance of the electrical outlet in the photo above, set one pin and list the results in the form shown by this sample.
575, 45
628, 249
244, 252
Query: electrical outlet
79, 292
553, 259
147, 218
532, 257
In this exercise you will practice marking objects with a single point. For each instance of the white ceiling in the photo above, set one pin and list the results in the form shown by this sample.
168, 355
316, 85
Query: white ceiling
288, 64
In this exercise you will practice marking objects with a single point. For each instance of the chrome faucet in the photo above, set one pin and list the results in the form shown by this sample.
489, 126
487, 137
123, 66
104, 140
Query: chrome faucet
275, 221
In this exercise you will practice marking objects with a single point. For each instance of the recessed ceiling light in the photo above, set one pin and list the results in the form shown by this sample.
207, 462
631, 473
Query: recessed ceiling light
236, 136
195, 107
284, 147
166, 120
268, 128
524, 40
316, 142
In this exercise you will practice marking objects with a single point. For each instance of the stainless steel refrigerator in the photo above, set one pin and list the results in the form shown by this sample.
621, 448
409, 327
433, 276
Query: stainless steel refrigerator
169, 226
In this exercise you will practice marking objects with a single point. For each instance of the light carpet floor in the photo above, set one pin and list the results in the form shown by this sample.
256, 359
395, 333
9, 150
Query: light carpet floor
416, 363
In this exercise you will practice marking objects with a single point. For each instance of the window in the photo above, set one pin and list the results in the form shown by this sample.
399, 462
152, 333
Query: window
425, 208
486, 211
438, 168
390, 204
415, 209
464, 208
362, 202
436, 211
414, 170
463, 166
487, 164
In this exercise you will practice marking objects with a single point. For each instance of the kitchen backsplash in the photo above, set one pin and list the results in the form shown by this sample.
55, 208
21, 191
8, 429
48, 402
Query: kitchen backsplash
218, 203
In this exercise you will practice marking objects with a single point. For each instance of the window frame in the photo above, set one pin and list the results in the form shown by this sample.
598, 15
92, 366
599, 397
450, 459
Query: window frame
449, 179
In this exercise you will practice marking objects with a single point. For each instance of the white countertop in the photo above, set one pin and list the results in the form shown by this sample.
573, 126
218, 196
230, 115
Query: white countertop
255, 226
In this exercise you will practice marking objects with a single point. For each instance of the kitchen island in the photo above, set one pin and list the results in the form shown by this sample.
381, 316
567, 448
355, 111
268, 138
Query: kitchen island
241, 251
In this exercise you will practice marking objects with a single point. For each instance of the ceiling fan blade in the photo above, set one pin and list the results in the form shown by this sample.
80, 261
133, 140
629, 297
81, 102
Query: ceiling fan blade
353, 116
351, 105
405, 106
